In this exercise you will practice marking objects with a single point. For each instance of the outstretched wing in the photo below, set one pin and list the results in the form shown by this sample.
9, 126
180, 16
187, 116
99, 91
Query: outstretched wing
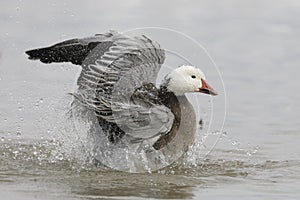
117, 87
74, 50
116, 70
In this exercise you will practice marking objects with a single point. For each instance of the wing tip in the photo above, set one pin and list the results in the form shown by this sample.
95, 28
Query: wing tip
38, 54
31, 54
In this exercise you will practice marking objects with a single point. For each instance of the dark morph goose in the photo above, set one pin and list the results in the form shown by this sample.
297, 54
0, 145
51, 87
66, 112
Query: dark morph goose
117, 83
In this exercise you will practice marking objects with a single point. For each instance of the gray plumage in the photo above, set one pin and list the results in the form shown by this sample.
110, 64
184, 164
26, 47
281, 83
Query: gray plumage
116, 70
132, 124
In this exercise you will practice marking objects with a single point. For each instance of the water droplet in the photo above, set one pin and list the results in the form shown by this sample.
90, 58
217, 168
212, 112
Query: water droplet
2, 139
20, 108
19, 133
15, 153
38, 102
60, 157
224, 134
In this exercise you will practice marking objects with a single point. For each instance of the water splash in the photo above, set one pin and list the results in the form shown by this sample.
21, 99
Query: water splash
199, 152
69, 143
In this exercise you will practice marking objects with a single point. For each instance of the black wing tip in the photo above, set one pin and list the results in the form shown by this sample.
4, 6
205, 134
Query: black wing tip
38, 54
32, 54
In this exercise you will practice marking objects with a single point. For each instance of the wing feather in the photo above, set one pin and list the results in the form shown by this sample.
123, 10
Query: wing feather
117, 72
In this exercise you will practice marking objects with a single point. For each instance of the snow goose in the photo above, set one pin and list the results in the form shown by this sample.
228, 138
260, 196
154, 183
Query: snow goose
117, 84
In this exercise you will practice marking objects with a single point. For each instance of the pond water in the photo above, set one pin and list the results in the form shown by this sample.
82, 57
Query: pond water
255, 45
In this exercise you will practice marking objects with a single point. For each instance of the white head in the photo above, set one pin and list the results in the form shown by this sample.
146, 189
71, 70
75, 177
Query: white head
187, 79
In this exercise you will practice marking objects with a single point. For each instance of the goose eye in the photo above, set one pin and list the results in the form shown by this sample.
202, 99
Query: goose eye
193, 76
